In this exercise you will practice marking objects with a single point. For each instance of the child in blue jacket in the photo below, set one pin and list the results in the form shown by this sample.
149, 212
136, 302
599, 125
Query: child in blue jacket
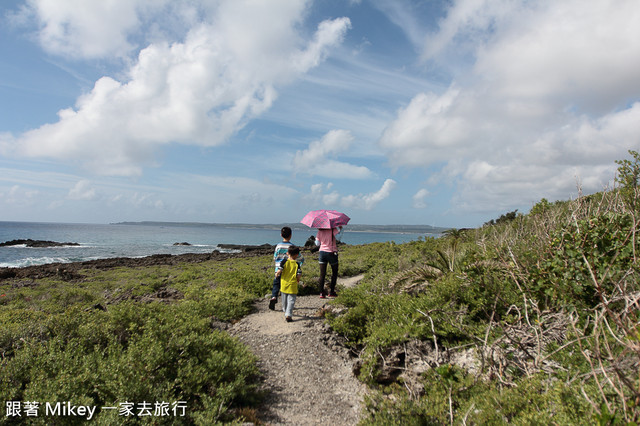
279, 255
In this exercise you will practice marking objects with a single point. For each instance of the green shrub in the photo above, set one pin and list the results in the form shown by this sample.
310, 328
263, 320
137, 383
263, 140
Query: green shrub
455, 397
133, 353
96, 343
227, 302
585, 259
629, 179
552, 292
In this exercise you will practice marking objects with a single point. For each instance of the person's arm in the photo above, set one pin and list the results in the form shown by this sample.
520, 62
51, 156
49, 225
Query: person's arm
279, 267
275, 259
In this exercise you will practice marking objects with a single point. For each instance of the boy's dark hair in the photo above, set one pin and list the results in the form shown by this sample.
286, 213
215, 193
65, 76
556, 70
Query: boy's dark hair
285, 232
293, 250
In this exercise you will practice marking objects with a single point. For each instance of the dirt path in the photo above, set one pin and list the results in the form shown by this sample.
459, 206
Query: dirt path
309, 380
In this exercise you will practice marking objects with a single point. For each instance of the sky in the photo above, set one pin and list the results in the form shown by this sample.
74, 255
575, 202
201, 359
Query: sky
443, 113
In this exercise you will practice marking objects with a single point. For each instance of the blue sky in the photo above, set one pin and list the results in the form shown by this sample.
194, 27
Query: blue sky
397, 112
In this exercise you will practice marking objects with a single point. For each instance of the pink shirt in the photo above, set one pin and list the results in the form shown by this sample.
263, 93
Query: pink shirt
327, 239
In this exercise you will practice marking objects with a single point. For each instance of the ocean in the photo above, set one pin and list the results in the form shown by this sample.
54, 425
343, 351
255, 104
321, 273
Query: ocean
99, 241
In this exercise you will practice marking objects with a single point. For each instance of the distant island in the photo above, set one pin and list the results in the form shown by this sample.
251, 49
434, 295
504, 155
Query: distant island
412, 229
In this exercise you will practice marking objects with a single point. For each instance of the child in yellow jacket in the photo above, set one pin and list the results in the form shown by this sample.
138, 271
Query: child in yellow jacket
289, 273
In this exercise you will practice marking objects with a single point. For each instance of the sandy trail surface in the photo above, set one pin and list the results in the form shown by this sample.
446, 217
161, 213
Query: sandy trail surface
308, 380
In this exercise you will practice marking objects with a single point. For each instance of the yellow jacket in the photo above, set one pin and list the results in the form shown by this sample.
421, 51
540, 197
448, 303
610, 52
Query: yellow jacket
288, 278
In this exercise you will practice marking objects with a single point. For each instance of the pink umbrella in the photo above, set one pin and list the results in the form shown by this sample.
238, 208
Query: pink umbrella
325, 219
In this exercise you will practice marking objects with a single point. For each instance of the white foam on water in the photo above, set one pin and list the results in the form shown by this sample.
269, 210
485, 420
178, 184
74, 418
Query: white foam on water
31, 261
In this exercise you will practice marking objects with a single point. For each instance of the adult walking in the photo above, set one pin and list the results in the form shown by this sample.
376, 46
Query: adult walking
328, 255
329, 224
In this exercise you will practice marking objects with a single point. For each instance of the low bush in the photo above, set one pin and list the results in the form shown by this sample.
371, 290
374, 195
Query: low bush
456, 397
137, 354
112, 339
583, 255
530, 320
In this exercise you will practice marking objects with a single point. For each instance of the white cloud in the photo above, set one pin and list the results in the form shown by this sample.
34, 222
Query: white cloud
320, 196
333, 142
112, 29
314, 160
84, 29
567, 54
466, 23
369, 201
82, 191
328, 32
419, 197
552, 94
428, 130
144, 200
198, 91
17, 196
490, 188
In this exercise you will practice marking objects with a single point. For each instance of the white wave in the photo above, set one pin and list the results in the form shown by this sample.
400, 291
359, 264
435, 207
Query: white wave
231, 251
24, 246
31, 261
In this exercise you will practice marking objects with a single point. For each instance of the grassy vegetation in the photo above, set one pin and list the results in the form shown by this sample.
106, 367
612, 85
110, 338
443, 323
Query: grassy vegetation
132, 335
531, 319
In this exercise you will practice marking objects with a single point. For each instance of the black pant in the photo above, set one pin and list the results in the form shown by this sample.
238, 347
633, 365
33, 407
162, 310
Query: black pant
334, 277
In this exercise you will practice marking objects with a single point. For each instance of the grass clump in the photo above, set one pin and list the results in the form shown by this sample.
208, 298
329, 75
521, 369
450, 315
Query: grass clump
531, 319
144, 336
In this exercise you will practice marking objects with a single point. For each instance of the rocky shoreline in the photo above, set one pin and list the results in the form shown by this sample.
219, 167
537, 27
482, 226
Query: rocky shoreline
70, 271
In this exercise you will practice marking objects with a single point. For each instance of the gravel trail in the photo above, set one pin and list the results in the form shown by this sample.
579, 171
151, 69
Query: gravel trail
307, 376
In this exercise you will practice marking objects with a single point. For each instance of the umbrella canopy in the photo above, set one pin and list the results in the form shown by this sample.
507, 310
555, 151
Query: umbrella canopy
324, 219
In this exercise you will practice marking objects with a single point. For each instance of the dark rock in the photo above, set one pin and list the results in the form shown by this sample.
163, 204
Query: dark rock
246, 248
67, 275
98, 307
36, 243
405, 363
164, 295
181, 244
219, 325
391, 365
7, 273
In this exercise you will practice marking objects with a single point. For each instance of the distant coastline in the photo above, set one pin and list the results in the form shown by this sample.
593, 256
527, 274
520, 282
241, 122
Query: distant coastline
396, 229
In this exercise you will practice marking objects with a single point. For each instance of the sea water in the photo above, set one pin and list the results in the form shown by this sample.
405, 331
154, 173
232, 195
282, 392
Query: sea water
99, 241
